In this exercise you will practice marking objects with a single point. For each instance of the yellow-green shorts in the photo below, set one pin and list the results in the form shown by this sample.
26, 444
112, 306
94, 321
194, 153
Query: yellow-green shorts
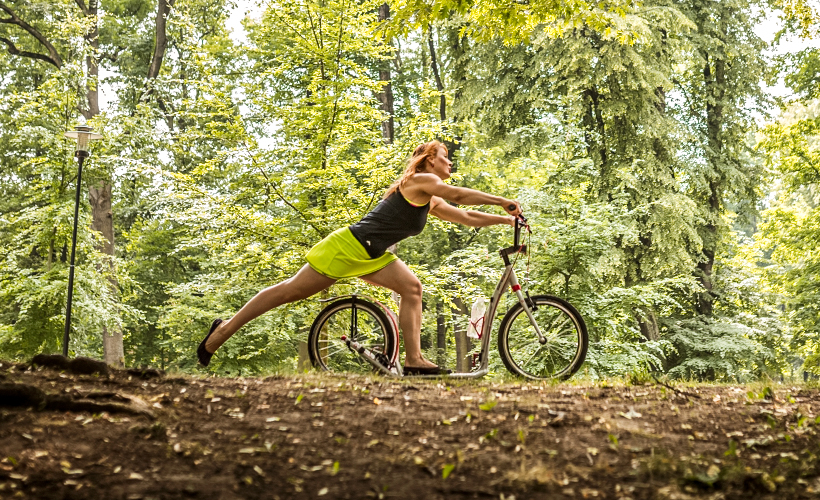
340, 255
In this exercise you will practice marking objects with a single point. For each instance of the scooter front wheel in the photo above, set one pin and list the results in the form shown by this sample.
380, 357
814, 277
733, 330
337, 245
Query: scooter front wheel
565, 339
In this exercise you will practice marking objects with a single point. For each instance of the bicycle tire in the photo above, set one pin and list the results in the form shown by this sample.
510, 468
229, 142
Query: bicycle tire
329, 353
566, 340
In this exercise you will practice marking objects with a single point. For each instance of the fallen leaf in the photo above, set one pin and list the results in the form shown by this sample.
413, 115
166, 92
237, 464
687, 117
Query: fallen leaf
488, 405
134, 475
322, 492
630, 414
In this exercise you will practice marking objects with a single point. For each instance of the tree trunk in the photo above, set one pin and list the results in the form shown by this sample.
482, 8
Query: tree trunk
160, 37
386, 99
648, 323
460, 333
441, 335
714, 76
103, 221
100, 197
91, 67
595, 138
458, 54
436, 75
386, 95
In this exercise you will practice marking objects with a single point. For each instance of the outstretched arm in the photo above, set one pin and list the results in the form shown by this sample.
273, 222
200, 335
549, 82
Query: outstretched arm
432, 185
472, 218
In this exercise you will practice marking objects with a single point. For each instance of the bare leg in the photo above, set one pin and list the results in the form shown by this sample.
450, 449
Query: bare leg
398, 277
301, 286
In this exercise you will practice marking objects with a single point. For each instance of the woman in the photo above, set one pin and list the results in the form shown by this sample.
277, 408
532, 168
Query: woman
360, 251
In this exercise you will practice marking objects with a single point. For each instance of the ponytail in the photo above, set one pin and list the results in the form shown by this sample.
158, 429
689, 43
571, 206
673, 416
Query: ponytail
416, 164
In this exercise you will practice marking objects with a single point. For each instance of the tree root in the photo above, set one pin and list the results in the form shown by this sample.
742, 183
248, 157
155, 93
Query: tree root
79, 366
88, 366
677, 391
145, 373
25, 395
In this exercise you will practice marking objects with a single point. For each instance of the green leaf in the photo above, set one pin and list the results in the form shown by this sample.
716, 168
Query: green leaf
732, 451
488, 405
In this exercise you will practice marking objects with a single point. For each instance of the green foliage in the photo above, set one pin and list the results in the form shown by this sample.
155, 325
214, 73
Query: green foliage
607, 120
710, 350
790, 231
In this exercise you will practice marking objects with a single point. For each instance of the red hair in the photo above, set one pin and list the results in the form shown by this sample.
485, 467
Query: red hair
416, 163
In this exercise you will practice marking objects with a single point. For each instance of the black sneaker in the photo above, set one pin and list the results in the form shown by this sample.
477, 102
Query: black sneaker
202, 353
419, 370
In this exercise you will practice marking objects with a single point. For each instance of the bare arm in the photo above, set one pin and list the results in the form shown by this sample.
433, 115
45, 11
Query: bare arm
423, 184
472, 218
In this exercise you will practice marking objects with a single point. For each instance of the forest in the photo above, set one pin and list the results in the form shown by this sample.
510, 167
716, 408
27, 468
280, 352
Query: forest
673, 194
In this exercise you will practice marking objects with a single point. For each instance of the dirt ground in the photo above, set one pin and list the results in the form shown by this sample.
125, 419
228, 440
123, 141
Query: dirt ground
313, 435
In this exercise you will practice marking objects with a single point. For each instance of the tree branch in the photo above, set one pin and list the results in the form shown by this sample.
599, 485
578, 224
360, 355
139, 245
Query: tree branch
83, 7
53, 57
280, 194
436, 75
13, 50
163, 10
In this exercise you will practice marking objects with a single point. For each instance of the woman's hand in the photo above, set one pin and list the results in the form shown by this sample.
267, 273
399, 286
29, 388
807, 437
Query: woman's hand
512, 207
511, 220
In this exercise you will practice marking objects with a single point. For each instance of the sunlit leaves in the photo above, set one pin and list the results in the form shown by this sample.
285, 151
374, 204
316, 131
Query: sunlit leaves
514, 21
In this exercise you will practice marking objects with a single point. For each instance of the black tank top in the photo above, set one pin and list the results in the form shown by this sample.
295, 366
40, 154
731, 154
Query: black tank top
393, 220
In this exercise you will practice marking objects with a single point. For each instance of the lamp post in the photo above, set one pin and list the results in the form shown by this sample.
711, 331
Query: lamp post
83, 135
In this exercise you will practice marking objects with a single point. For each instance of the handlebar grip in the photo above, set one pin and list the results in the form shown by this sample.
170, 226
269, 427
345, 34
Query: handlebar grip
511, 207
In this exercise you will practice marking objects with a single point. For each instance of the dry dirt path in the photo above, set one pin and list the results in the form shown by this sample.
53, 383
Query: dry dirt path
314, 436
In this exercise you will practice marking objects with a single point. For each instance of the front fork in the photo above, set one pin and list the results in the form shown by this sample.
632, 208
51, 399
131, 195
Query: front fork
526, 304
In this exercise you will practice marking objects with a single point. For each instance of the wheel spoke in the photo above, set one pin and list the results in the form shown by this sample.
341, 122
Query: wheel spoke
559, 356
330, 353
